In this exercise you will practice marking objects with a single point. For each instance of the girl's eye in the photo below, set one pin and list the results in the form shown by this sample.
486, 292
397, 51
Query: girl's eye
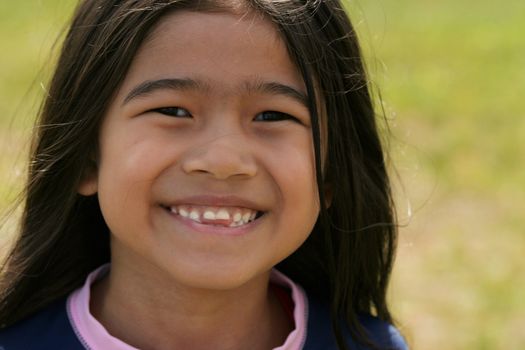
273, 116
173, 112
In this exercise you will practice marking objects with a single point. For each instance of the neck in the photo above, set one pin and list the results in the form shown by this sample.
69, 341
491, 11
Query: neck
161, 312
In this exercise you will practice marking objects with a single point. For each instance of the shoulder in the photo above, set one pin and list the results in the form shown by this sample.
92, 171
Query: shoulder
383, 333
48, 329
320, 334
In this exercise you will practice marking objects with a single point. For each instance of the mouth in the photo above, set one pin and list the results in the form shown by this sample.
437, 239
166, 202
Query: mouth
223, 216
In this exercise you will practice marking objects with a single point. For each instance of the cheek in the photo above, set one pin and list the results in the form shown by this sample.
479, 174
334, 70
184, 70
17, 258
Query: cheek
297, 166
127, 170
295, 176
136, 153
123, 197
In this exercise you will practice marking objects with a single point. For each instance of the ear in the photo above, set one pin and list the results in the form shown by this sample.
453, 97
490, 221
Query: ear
89, 184
328, 194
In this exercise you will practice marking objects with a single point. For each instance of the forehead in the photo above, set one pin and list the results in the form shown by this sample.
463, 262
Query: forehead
222, 48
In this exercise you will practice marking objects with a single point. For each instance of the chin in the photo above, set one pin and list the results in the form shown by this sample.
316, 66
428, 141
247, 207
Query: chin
219, 279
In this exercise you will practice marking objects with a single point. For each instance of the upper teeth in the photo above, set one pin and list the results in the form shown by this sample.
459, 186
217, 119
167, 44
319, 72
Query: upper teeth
227, 216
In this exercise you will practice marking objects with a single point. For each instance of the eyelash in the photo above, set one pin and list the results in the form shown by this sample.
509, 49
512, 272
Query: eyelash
173, 112
280, 115
273, 115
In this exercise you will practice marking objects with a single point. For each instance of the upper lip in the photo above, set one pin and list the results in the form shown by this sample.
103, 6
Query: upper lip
217, 201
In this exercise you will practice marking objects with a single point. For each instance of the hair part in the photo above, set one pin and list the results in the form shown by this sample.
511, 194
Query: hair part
348, 257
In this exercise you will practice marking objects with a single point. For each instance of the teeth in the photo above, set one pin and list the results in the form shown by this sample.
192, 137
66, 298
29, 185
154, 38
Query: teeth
183, 213
194, 215
228, 216
209, 215
222, 214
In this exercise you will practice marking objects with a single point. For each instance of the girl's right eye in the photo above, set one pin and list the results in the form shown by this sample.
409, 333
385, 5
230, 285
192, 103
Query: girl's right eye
178, 112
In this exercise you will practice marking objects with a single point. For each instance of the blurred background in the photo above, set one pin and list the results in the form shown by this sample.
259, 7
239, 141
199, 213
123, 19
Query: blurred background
451, 76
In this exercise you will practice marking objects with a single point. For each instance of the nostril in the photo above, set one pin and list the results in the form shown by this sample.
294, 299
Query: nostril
221, 160
222, 170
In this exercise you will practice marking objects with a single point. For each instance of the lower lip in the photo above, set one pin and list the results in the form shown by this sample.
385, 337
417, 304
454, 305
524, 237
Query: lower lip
215, 229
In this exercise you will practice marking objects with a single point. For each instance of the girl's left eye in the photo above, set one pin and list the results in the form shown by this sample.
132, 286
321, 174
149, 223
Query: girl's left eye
173, 112
273, 116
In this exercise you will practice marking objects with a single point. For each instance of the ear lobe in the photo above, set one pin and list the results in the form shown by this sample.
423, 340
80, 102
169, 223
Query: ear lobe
89, 184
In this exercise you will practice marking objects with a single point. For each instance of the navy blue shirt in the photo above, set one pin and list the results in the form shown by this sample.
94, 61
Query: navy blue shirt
51, 329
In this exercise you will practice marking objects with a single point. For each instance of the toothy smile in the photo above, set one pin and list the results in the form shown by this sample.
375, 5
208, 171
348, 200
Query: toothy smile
213, 215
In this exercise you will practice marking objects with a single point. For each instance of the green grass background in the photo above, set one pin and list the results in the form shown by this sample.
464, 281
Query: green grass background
452, 81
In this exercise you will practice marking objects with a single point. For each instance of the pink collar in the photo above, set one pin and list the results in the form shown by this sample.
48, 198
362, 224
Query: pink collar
94, 336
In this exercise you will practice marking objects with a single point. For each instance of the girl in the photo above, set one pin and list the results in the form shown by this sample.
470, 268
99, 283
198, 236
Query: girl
185, 149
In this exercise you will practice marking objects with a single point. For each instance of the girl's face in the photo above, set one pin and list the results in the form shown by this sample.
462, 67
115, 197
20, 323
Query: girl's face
206, 169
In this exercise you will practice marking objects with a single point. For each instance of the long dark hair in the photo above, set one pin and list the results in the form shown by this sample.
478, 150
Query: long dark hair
348, 257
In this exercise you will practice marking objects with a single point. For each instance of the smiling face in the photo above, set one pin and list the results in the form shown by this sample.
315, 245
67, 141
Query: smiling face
206, 167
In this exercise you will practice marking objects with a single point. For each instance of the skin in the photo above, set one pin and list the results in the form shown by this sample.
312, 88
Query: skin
175, 284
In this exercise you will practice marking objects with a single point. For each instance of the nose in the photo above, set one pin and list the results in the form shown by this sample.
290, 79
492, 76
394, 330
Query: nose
221, 156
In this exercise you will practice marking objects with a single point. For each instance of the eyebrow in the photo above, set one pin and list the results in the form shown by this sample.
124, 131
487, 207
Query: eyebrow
275, 88
149, 86
250, 87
